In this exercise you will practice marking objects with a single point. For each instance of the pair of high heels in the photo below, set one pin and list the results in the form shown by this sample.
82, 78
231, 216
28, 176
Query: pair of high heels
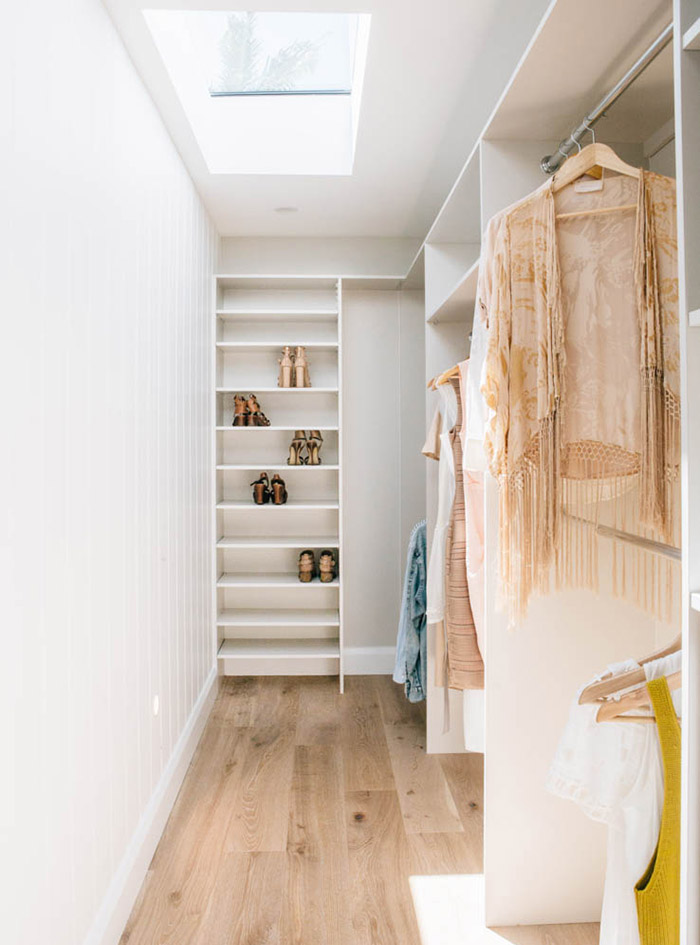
294, 368
326, 567
265, 491
247, 412
302, 443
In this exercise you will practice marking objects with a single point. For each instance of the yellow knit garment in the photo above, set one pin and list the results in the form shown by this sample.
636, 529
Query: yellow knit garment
658, 891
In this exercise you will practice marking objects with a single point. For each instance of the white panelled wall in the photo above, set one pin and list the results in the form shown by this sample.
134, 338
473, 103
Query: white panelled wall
105, 340
384, 472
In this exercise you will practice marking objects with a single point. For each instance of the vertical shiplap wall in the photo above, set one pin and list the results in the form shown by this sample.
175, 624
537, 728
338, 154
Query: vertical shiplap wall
106, 255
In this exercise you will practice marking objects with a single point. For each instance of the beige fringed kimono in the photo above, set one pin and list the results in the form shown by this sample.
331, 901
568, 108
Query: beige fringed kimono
582, 381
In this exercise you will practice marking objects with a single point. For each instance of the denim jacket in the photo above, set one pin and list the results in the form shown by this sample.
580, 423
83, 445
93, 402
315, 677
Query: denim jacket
411, 646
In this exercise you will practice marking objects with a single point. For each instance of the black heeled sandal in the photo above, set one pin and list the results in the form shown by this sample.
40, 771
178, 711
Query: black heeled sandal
279, 490
262, 493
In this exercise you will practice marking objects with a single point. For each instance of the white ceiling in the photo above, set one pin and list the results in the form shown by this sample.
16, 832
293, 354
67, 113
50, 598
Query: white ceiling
433, 72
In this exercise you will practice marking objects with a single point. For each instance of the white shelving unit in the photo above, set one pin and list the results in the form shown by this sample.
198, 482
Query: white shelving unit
267, 621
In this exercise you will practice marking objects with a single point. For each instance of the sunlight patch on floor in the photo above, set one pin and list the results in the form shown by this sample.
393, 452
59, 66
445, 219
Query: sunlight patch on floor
450, 910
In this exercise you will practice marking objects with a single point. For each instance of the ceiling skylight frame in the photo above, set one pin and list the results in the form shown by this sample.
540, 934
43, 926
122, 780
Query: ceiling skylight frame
239, 130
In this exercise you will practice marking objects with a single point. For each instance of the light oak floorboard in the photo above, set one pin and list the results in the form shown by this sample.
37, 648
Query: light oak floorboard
246, 902
381, 904
315, 907
184, 872
319, 712
426, 801
581, 934
272, 842
365, 753
465, 778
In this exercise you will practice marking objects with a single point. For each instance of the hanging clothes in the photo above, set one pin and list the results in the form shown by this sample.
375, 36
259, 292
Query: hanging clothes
658, 892
411, 644
612, 771
464, 663
581, 377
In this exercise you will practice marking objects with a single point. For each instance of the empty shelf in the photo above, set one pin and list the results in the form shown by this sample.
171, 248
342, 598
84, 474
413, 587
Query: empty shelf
274, 649
281, 541
255, 580
278, 618
691, 37
286, 313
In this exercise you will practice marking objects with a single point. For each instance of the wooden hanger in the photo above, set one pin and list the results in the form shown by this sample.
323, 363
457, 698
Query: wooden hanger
639, 698
611, 684
593, 155
443, 378
592, 159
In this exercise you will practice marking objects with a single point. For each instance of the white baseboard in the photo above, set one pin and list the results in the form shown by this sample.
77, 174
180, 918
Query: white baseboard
121, 894
369, 660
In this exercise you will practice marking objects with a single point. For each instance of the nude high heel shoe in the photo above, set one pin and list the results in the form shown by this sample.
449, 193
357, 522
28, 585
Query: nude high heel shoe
286, 365
301, 368
314, 442
295, 449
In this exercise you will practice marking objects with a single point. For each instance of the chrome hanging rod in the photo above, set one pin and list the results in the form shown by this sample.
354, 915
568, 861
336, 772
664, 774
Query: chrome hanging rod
552, 162
648, 544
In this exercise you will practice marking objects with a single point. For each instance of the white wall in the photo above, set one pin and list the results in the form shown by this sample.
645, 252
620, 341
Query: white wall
105, 262
384, 475
319, 257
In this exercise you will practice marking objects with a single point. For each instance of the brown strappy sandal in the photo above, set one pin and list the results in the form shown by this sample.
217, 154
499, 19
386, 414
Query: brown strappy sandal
261, 490
314, 442
307, 566
256, 418
279, 490
295, 449
326, 567
240, 411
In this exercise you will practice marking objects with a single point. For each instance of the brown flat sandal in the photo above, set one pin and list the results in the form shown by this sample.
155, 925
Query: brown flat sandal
240, 411
326, 567
256, 417
307, 567
261, 490
279, 490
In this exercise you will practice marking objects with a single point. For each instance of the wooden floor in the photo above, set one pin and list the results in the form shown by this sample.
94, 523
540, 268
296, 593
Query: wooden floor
302, 817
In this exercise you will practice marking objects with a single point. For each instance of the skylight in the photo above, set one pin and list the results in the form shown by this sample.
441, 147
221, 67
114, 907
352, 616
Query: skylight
283, 53
267, 93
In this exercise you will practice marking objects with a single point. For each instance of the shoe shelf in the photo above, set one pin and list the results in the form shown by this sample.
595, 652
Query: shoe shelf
276, 390
288, 617
280, 541
250, 314
275, 467
255, 579
267, 621
277, 428
276, 346
295, 505
274, 657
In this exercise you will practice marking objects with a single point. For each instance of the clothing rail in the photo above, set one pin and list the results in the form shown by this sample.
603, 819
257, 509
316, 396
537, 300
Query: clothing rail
552, 162
607, 531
